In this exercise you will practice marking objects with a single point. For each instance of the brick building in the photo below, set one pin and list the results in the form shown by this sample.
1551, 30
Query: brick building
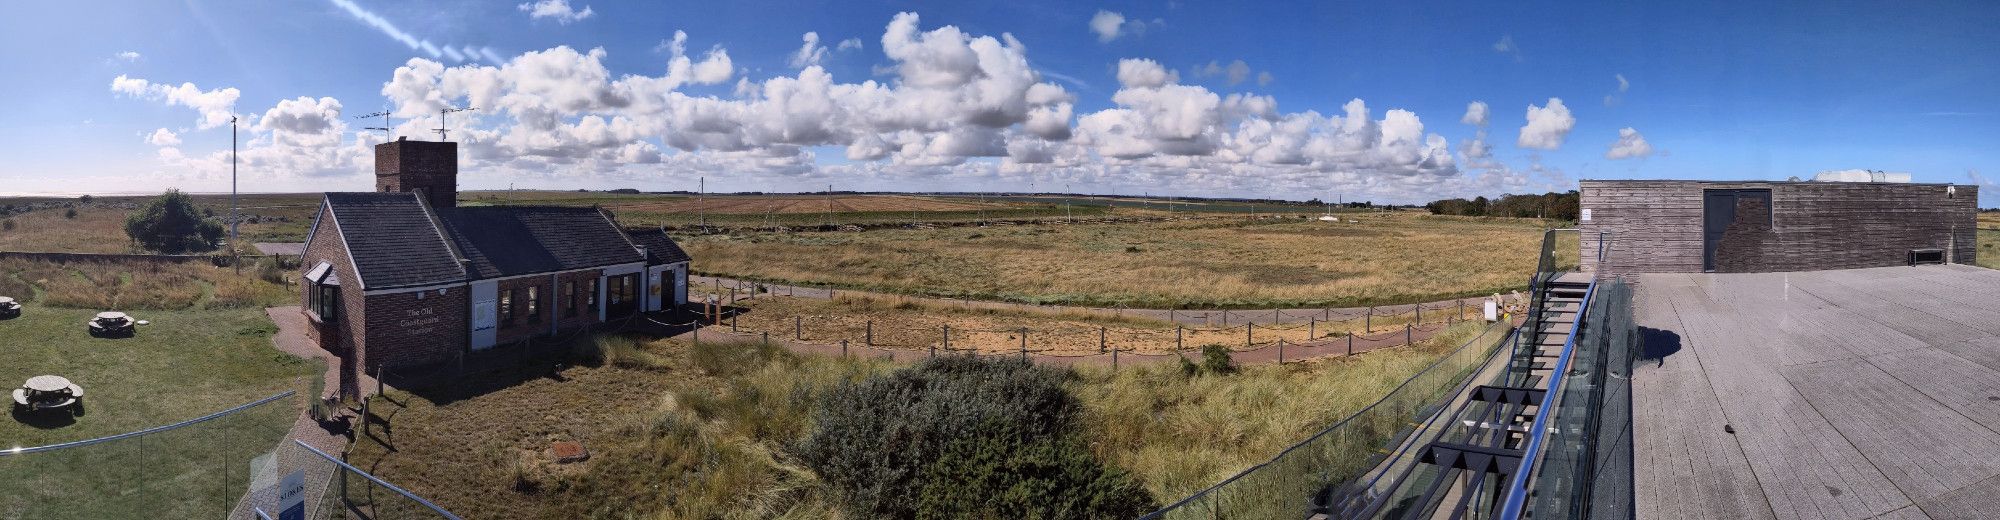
403, 277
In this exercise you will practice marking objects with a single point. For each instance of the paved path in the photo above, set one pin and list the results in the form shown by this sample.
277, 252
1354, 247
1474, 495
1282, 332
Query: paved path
292, 339
1866, 393
1470, 306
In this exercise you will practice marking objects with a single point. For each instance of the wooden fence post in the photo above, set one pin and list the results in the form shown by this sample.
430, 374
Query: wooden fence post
1225, 317
1114, 361
1312, 328
767, 338
869, 340
1281, 351
1024, 344
1274, 316
798, 328
1420, 313
947, 337
1177, 337
843, 349
1350, 344
732, 322
1248, 330
1368, 322
1406, 335
1100, 340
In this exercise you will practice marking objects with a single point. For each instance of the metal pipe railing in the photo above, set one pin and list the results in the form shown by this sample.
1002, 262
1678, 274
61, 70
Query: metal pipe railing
1517, 489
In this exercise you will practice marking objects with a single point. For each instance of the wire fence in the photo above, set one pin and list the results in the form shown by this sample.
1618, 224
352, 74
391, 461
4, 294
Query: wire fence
332, 488
197, 468
1287, 485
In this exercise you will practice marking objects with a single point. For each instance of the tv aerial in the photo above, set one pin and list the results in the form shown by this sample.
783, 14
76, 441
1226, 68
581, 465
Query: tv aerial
385, 128
448, 110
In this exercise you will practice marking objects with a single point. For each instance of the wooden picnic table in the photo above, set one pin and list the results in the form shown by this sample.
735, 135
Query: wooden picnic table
47, 392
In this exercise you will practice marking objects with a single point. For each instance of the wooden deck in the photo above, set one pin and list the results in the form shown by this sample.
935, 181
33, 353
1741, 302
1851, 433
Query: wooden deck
1867, 393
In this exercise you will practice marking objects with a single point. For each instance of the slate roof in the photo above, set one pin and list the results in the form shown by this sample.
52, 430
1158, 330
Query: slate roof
514, 240
660, 248
392, 240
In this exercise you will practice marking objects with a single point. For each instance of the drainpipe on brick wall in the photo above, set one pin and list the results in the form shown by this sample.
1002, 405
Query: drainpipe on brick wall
555, 318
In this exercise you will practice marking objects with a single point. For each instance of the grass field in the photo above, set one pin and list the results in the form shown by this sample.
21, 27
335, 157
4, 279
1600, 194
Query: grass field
206, 348
911, 323
701, 431
1374, 258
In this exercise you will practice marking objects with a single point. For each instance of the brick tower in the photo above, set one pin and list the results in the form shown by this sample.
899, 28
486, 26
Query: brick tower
426, 167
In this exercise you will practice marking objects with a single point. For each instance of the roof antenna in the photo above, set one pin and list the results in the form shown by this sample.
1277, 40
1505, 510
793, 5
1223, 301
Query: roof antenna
441, 113
384, 114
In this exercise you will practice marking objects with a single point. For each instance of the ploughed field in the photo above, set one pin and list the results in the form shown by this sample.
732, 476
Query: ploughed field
1228, 262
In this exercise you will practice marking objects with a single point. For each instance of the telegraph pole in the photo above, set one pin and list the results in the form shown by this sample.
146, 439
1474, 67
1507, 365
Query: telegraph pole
235, 255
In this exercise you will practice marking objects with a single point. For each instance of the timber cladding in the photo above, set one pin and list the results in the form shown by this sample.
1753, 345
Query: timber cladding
1658, 226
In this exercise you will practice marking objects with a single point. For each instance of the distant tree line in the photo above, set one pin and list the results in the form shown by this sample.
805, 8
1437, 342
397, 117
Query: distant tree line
1559, 206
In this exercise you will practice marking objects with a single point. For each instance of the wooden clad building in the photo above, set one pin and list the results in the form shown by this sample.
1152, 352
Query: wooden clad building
403, 277
1670, 226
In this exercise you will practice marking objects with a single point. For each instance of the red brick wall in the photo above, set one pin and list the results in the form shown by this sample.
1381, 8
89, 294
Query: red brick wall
522, 326
584, 315
407, 330
326, 246
427, 166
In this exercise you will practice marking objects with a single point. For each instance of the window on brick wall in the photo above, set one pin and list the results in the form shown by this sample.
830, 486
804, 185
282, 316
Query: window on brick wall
569, 299
591, 301
507, 308
326, 302
534, 304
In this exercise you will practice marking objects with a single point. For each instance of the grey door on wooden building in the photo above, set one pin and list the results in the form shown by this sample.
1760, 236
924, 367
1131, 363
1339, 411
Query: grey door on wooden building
1727, 210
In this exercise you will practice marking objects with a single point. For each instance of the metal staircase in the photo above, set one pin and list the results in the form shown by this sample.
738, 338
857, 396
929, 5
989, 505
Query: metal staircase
1469, 460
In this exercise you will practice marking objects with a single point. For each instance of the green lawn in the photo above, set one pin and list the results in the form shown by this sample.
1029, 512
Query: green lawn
184, 364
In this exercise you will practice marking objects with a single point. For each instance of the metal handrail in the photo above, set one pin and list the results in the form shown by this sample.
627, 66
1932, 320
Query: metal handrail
1329, 429
371, 478
155, 429
1517, 492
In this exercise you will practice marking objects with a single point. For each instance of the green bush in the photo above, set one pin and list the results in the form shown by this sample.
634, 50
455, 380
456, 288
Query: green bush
7, 225
1215, 360
171, 224
69, 213
963, 437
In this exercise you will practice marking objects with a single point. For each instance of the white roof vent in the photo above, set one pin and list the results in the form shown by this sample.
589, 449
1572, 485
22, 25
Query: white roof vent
1861, 176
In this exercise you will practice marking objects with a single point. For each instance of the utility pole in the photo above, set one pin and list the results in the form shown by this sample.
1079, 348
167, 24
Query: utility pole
701, 211
235, 255
1066, 196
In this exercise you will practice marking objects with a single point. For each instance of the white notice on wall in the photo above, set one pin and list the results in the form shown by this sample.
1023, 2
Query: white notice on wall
1586, 215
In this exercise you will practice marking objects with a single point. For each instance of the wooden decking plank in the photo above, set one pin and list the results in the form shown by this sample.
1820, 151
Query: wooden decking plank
1804, 467
1679, 446
1923, 447
1964, 386
1981, 500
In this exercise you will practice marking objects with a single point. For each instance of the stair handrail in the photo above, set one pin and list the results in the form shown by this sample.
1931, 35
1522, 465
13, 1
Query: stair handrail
1517, 488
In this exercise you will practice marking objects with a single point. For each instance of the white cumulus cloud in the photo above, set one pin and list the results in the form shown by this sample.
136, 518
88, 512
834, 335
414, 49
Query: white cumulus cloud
1547, 126
215, 106
128, 56
1630, 144
1475, 114
560, 10
1106, 25
163, 137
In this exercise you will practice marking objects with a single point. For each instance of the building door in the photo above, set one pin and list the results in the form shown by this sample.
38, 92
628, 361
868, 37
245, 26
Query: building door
1729, 217
621, 295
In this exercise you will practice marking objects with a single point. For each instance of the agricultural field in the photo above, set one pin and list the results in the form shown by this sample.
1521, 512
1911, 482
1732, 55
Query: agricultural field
709, 430
1366, 259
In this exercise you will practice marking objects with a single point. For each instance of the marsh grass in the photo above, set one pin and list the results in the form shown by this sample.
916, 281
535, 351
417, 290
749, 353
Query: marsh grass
1182, 433
1383, 258
137, 285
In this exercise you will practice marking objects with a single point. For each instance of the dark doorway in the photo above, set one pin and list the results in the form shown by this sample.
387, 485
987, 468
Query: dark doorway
1727, 213
621, 295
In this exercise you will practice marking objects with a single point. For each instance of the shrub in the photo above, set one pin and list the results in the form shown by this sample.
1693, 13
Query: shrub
1215, 360
171, 224
69, 213
7, 225
85, 199
964, 437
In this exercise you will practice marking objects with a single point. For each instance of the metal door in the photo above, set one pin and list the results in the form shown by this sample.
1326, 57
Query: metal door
1720, 212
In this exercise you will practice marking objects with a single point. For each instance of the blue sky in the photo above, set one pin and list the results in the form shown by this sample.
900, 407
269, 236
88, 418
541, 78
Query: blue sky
1719, 90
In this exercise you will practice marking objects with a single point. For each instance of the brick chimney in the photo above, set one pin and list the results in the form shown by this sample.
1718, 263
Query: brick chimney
426, 167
